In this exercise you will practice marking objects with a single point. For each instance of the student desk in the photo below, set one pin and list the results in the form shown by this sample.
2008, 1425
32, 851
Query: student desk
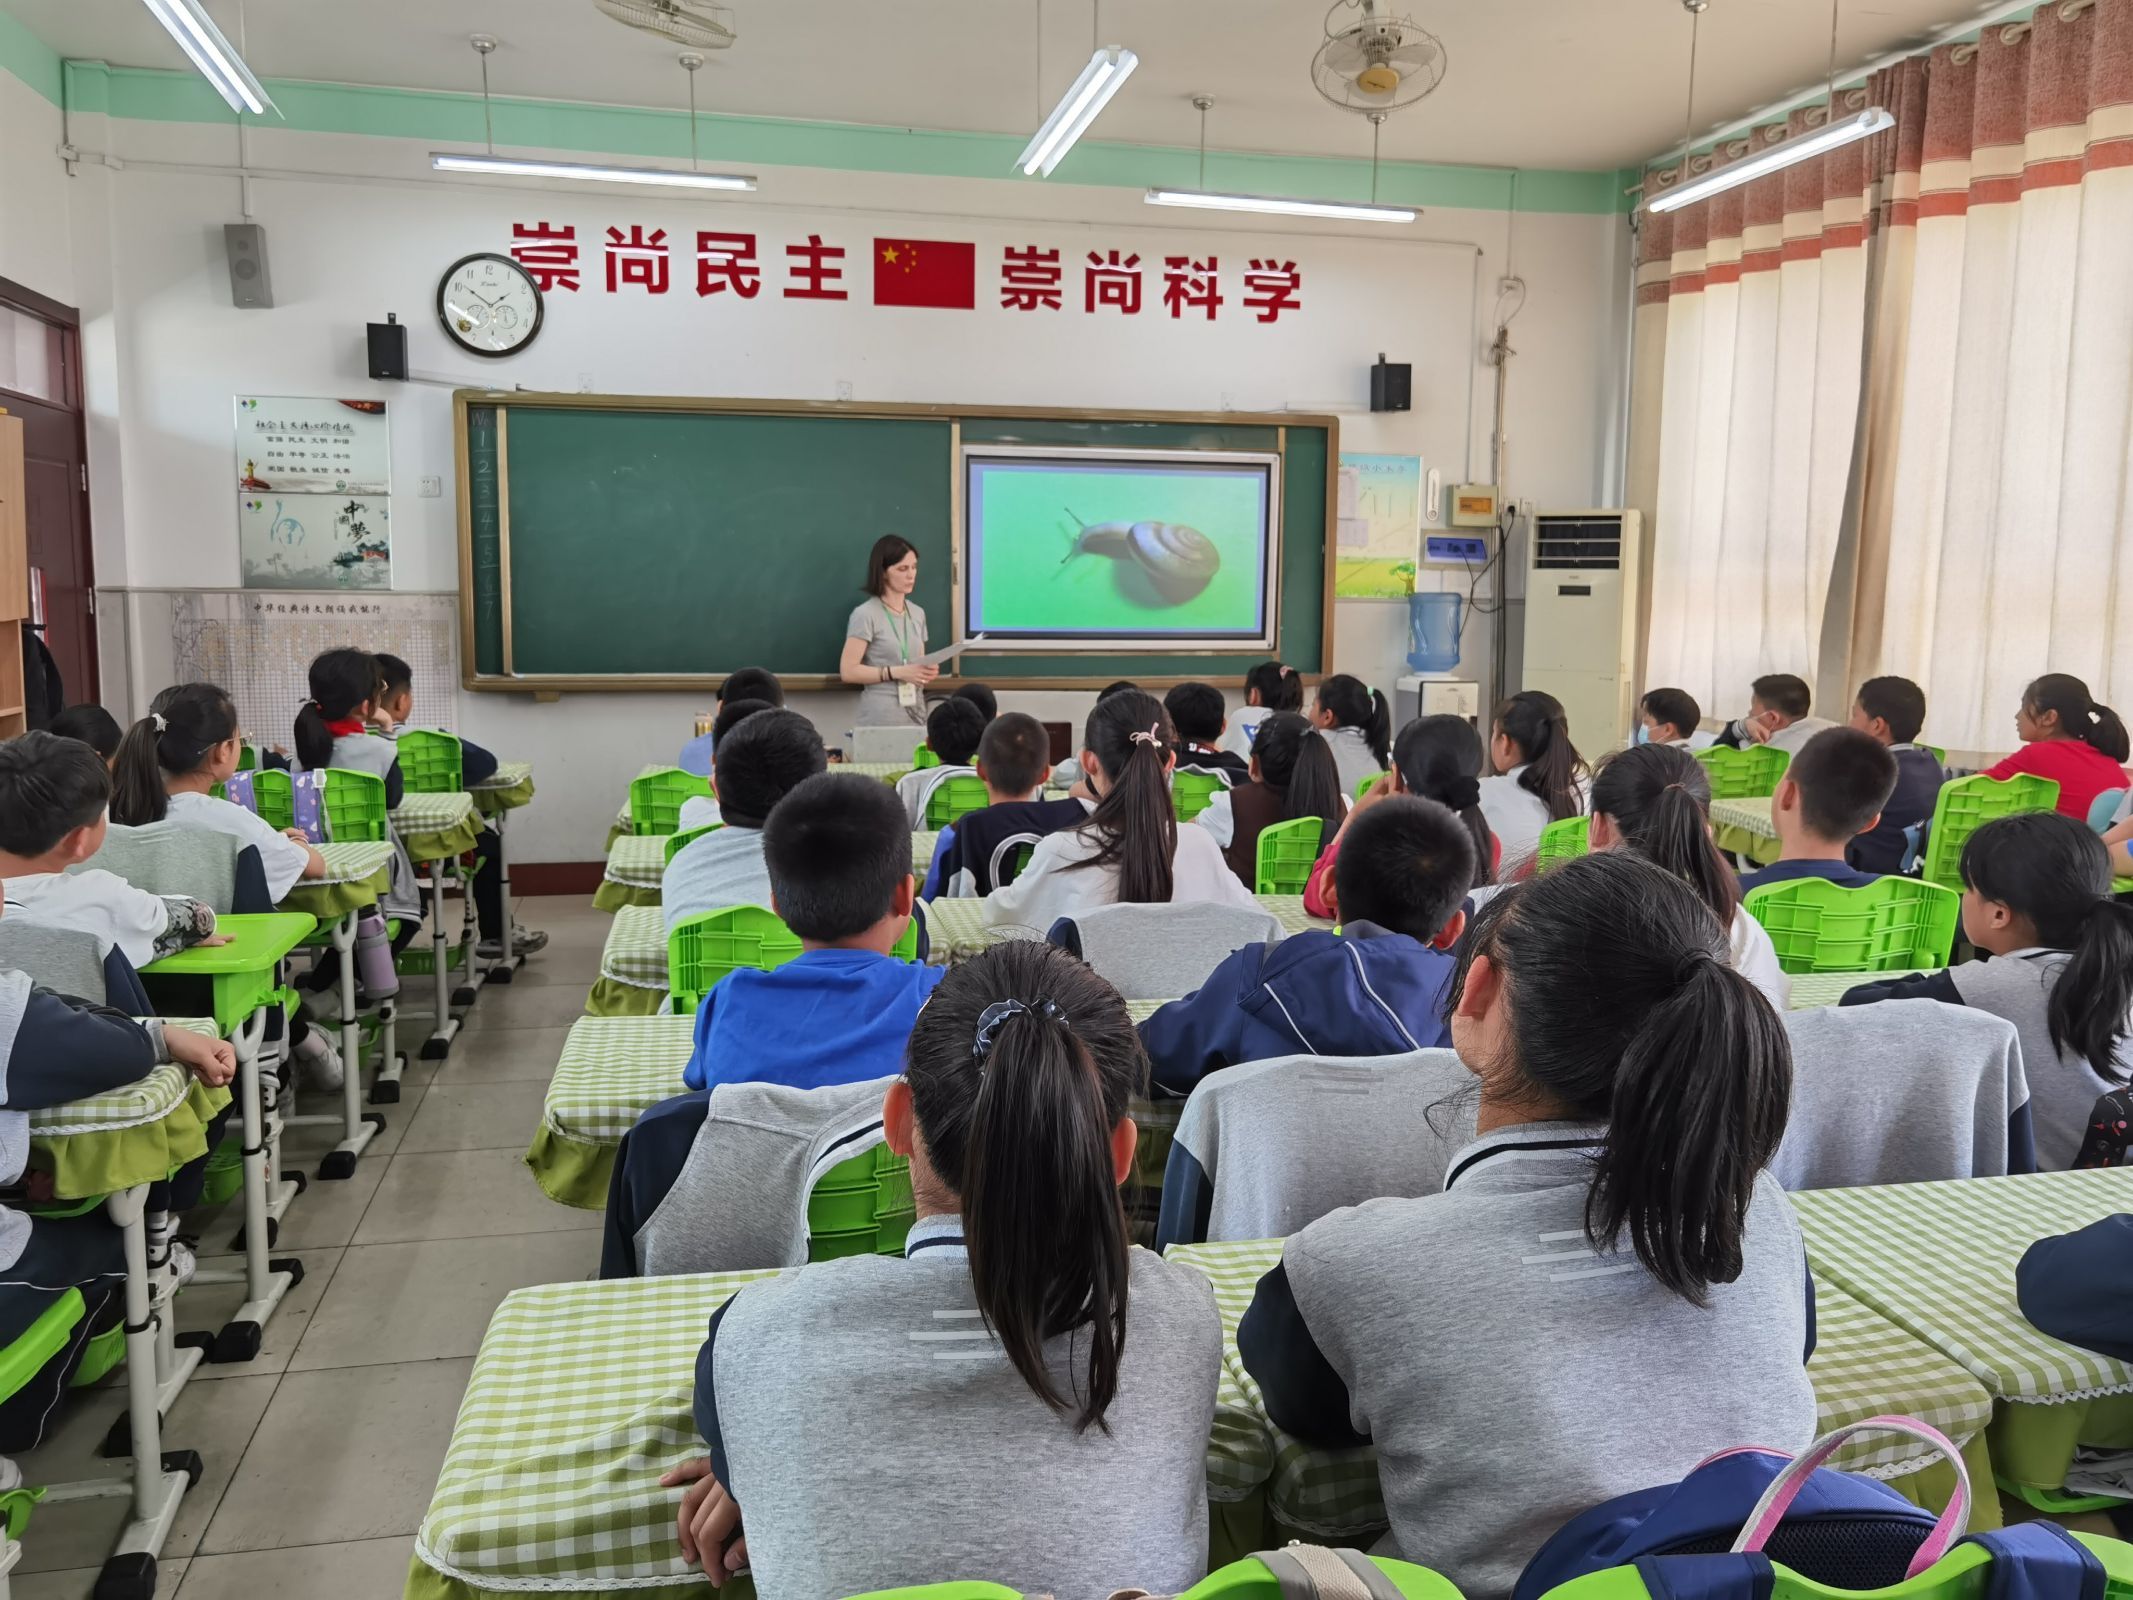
1863, 1366
958, 931
1938, 1259
1744, 827
580, 1398
614, 1069
502, 792
358, 873
140, 1133
437, 829
887, 771
637, 867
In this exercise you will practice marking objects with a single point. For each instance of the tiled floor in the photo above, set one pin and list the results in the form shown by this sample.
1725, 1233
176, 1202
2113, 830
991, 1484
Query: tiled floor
320, 1454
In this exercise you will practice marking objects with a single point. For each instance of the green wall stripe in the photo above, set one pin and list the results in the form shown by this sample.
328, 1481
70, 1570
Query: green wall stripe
29, 58
153, 95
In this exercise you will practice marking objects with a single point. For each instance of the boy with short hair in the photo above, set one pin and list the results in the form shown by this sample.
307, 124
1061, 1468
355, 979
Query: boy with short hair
954, 728
838, 853
1374, 988
1668, 716
1200, 716
1778, 706
764, 758
750, 683
701, 810
93, 726
1833, 791
1891, 711
981, 696
1011, 759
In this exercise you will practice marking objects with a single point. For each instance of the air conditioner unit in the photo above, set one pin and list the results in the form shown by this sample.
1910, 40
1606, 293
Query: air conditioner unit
1582, 572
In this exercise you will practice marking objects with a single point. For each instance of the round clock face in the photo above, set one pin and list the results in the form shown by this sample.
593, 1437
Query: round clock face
488, 305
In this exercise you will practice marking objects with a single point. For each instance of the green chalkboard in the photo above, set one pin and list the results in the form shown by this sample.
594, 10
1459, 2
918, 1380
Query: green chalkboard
614, 544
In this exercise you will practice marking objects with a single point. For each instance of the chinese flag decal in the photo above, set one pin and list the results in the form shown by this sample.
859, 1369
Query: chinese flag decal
925, 272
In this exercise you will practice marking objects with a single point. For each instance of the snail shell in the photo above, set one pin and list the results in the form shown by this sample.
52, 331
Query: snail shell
1178, 561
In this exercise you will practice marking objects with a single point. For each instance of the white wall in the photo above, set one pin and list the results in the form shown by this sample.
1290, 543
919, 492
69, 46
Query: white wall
357, 227
35, 247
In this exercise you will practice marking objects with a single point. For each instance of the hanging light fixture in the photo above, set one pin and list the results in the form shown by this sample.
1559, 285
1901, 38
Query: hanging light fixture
1108, 69
1834, 133
493, 165
1205, 199
205, 47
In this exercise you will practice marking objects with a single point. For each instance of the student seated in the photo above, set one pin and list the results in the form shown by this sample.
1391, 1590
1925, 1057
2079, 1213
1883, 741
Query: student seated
2071, 739
701, 810
53, 795
1130, 850
1066, 1455
92, 725
1357, 724
1668, 716
1435, 758
1012, 758
1067, 774
2079, 1286
1293, 775
2037, 901
1536, 775
762, 760
1778, 704
1832, 792
953, 729
1609, 1258
750, 683
1654, 801
2118, 836
1891, 711
981, 696
1197, 712
1374, 988
1269, 688
55, 1050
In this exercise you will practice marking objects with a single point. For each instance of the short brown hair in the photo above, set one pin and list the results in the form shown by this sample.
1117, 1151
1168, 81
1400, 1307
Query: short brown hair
889, 549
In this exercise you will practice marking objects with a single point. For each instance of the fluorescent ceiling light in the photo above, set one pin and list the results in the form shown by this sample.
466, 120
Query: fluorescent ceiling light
205, 47
1102, 78
1275, 206
652, 177
1776, 158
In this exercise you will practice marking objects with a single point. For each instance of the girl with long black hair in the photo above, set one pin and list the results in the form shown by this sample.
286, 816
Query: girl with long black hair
1434, 758
1268, 688
1357, 724
2069, 737
1292, 776
1536, 775
1042, 1390
1608, 1259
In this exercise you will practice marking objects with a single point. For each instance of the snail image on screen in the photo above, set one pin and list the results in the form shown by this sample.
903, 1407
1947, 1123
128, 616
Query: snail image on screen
1159, 563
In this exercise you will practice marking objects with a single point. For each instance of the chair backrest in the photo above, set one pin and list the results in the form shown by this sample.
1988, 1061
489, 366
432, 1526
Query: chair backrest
678, 842
269, 794
1937, 752
1563, 841
170, 858
861, 1207
1907, 1091
954, 798
1159, 952
1192, 793
1296, 1572
922, 756
355, 806
68, 960
655, 799
1010, 857
431, 762
2104, 808
1745, 773
702, 949
33, 1348
1890, 925
1287, 853
1965, 805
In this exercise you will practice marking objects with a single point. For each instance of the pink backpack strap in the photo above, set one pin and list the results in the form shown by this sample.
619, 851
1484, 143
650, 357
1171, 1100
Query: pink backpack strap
1785, 1488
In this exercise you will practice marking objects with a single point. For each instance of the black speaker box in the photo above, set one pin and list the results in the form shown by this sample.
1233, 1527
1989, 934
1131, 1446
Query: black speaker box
1391, 385
388, 349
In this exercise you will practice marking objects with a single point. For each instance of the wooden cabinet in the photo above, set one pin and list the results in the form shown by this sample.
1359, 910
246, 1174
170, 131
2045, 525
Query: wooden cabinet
14, 575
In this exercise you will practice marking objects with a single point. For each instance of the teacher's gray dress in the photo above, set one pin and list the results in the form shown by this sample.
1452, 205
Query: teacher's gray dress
872, 621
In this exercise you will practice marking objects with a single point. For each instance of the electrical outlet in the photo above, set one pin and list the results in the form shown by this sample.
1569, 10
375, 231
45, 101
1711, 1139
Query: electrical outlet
1467, 552
429, 488
844, 388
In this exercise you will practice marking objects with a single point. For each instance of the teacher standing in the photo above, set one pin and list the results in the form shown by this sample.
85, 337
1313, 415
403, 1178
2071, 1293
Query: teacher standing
885, 640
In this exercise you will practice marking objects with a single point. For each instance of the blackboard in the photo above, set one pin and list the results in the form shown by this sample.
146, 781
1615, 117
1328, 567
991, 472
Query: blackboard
613, 543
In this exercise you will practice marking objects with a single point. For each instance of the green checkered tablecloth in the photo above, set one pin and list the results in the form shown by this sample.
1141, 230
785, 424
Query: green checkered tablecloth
957, 927
1813, 989
138, 1133
436, 827
922, 847
612, 1069
1744, 827
510, 787
357, 873
633, 966
1863, 1366
636, 865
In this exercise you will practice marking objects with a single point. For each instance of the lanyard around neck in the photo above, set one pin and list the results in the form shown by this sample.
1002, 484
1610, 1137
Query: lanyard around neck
901, 622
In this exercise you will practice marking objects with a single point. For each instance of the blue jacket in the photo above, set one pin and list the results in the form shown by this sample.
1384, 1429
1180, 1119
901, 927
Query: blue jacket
2079, 1286
1837, 872
825, 1017
1361, 992
696, 756
1903, 820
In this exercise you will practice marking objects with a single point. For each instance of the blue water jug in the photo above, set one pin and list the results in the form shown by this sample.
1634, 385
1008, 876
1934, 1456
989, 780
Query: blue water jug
1433, 631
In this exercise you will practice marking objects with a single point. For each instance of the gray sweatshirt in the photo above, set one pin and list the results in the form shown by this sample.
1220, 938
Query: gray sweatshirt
2063, 1087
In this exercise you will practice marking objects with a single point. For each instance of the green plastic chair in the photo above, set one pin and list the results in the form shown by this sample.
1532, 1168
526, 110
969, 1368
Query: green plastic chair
1890, 925
678, 842
355, 806
702, 949
275, 795
1287, 853
1362, 784
430, 762
248, 758
861, 1207
655, 799
1248, 1579
1563, 841
1744, 774
1967, 804
1937, 752
922, 756
955, 798
1192, 793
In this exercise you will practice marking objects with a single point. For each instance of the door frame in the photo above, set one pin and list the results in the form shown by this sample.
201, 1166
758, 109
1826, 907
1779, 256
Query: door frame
65, 322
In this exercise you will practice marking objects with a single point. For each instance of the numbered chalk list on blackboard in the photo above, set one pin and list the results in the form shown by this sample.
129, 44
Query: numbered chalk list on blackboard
485, 537
314, 488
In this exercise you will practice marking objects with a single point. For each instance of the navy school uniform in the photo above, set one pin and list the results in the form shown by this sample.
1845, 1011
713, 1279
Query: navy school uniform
2079, 1287
969, 845
1884, 847
1841, 873
1227, 765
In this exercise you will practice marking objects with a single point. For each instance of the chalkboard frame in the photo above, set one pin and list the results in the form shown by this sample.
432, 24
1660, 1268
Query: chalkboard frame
1102, 660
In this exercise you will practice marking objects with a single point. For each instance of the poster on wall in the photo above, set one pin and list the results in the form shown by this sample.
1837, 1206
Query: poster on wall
297, 446
1380, 523
315, 541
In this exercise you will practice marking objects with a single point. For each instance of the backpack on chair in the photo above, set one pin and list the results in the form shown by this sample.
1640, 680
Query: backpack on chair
1298, 1572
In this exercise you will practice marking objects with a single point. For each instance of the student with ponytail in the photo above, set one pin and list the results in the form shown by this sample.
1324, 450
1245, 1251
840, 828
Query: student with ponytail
1435, 758
1537, 776
1131, 851
1042, 1389
1268, 688
1654, 800
2070, 738
1292, 775
1357, 723
1608, 1258
2037, 901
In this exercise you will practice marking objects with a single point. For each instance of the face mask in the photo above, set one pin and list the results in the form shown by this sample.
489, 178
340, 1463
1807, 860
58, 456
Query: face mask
1644, 733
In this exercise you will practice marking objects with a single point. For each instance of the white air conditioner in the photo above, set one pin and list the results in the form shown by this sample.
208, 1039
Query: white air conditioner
1581, 620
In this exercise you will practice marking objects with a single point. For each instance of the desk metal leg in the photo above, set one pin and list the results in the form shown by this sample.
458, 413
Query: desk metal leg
359, 1126
505, 966
444, 1025
265, 1281
469, 941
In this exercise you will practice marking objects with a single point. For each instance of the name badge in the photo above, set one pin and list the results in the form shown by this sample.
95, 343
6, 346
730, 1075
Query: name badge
907, 696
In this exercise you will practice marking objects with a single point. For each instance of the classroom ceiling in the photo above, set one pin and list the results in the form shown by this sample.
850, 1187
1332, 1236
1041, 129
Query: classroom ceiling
1532, 83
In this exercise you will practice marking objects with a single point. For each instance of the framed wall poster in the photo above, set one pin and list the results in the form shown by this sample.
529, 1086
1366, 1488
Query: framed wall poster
301, 446
1380, 515
315, 541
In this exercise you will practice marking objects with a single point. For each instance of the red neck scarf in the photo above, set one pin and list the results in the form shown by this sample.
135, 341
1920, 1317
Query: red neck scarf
346, 727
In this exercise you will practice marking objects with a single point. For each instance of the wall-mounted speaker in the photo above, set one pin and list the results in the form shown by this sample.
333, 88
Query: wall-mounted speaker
1391, 385
246, 243
388, 348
